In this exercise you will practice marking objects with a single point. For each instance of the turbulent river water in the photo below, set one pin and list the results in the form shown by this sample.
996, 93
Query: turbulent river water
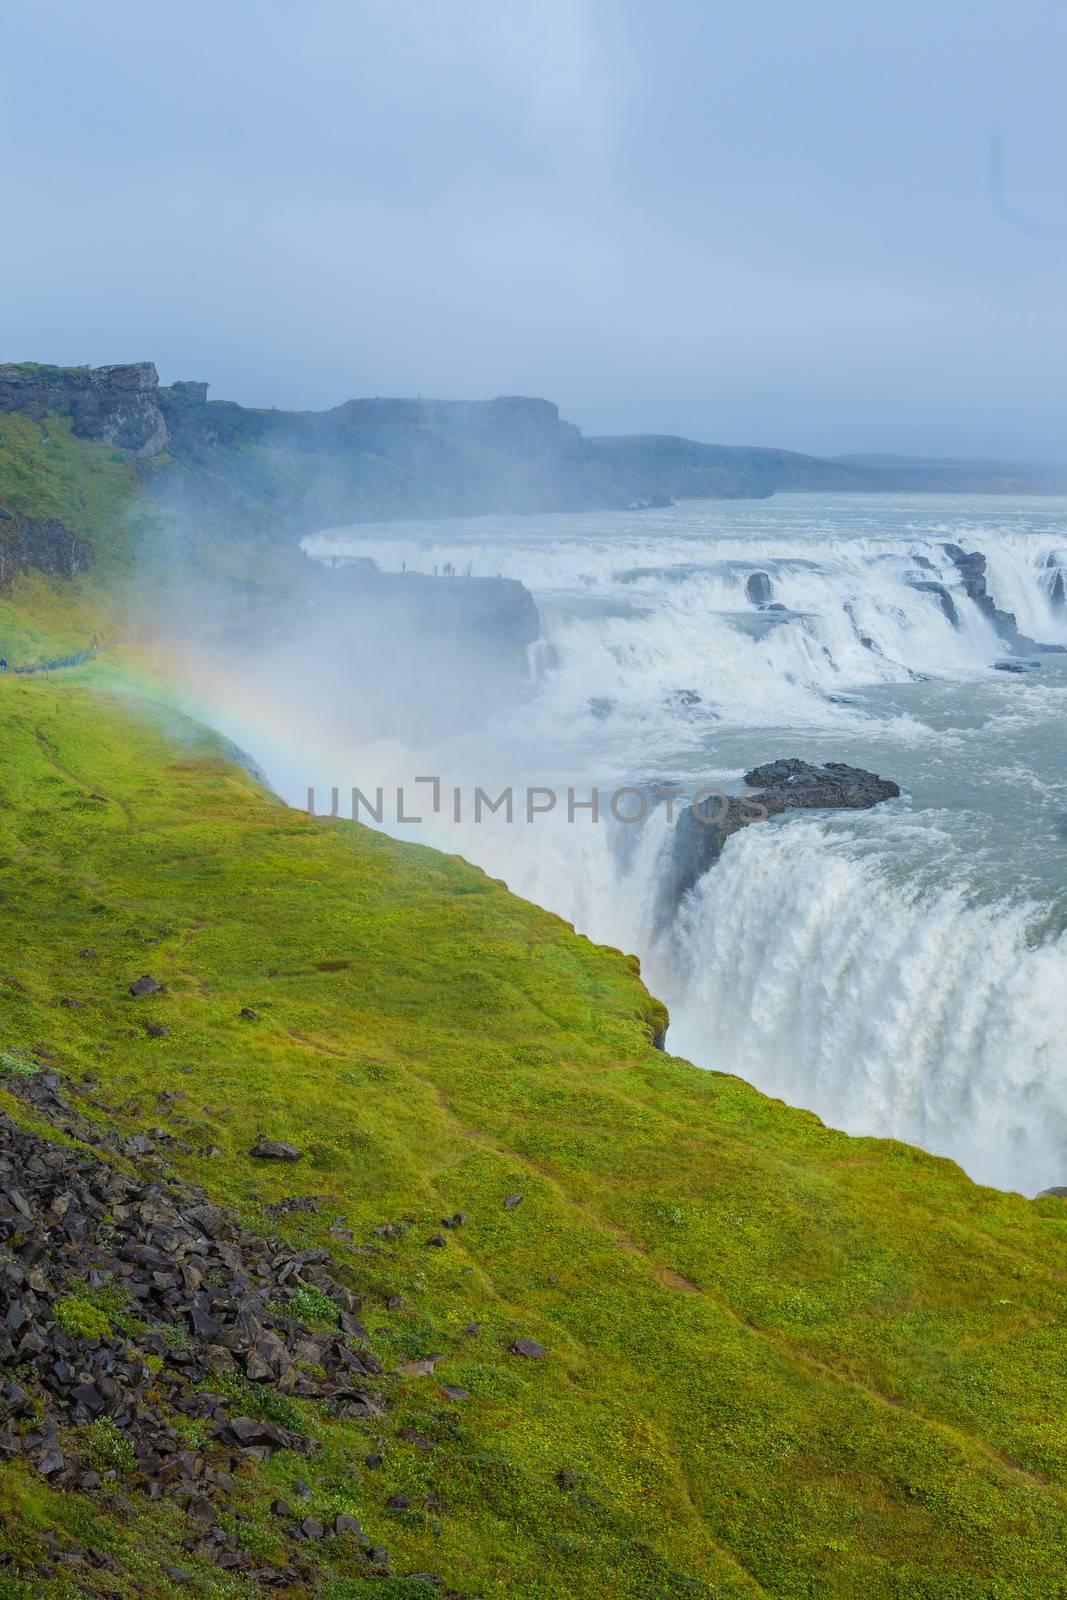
901, 971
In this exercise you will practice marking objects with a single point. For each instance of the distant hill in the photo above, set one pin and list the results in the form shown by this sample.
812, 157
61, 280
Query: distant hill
931, 474
233, 470
684, 469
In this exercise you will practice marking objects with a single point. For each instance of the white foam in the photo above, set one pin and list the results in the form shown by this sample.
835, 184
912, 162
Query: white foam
863, 968
912, 1013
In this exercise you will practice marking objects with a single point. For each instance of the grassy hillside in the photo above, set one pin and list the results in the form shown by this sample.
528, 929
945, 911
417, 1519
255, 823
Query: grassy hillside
159, 554
779, 1361
47, 472
686, 469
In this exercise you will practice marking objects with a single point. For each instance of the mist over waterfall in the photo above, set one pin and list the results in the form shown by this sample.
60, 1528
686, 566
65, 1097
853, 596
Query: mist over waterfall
902, 971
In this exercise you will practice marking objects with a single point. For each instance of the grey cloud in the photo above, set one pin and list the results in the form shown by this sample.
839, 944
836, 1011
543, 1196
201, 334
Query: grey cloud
771, 224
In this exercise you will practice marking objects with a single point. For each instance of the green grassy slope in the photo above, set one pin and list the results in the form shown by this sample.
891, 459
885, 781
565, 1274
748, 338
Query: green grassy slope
46, 472
157, 557
780, 1361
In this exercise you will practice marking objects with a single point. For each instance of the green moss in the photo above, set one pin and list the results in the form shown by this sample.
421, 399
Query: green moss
310, 1305
81, 1319
259, 1400
17, 1066
47, 473
103, 1446
191, 1432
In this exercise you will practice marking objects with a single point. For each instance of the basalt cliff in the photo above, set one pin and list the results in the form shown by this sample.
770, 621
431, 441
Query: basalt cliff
377, 459
365, 460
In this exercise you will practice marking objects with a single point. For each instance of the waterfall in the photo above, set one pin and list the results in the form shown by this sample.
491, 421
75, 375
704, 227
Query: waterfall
901, 972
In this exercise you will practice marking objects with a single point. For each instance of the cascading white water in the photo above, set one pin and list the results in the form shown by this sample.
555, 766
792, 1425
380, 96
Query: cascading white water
902, 972
885, 1008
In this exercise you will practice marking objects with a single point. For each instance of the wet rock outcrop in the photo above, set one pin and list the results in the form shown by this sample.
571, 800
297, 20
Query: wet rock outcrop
427, 653
779, 786
116, 405
39, 544
493, 617
971, 566
944, 598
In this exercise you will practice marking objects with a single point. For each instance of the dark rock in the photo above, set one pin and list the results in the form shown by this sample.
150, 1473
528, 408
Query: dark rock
684, 699
295, 1202
343, 1523
266, 1149
421, 1441
437, 1240
511, 1201
759, 588
945, 600
972, 566
251, 1432
312, 1528
88, 1395
455, 1221
117, 405
156, 1030
248, 1014
42, 545
201, 1510
71, 1215
790, 785
528, 1348
144, 986
1017, 667
373, 1461
455, 1394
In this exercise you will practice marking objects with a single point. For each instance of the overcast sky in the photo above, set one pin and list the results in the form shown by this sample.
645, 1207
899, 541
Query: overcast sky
774, 223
